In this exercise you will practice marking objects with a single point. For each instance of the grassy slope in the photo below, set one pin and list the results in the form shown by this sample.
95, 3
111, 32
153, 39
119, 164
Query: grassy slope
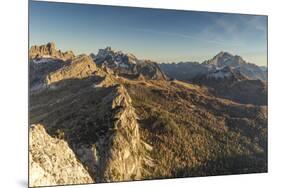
194, 134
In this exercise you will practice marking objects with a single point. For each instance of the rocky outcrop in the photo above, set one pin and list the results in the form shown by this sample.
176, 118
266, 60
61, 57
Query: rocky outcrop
52, 162
120, 155
49, 51
81, 67
125, 152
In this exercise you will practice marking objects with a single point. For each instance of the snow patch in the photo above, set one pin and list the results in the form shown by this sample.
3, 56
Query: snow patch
42, 60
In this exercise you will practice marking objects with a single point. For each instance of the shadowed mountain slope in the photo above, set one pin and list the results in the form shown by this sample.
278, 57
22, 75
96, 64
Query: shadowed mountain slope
231, 84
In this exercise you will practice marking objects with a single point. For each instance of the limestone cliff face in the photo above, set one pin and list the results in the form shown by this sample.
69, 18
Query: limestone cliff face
49, 51
52, 162
124, 157
120, 155
81, 67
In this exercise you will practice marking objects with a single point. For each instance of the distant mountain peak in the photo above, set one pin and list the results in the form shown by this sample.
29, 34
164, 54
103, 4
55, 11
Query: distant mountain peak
223, 54
113, 59
47, 48
223, 59
104, 52
127, 64
49, 51
109, 53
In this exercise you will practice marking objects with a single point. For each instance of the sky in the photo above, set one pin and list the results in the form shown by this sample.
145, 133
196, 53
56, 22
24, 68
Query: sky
155, 34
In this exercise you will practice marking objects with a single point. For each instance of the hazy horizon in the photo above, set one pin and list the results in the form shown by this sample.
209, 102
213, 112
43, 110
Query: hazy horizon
160, 35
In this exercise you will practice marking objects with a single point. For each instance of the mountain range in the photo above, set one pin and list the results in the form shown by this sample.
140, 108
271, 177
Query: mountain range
110, 117
186, 71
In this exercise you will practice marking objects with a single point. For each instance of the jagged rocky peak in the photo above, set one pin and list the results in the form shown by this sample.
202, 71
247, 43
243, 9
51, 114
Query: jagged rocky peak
105, 54
44, 49
250, 70
49, 51
102, 53
115, 58
224, 54
224, 59
127, 65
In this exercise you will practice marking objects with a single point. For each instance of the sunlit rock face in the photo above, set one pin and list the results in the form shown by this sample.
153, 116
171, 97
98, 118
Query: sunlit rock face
52, 162
80, 67
49, 51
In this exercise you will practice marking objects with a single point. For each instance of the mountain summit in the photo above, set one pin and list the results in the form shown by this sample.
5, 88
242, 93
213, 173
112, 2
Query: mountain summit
49, 51
127, 65
223, 59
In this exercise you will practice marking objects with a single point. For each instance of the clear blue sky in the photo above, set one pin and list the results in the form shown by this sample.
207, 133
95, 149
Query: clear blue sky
159, 35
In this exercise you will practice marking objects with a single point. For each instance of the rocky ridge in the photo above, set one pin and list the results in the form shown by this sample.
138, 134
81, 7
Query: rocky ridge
124, 153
